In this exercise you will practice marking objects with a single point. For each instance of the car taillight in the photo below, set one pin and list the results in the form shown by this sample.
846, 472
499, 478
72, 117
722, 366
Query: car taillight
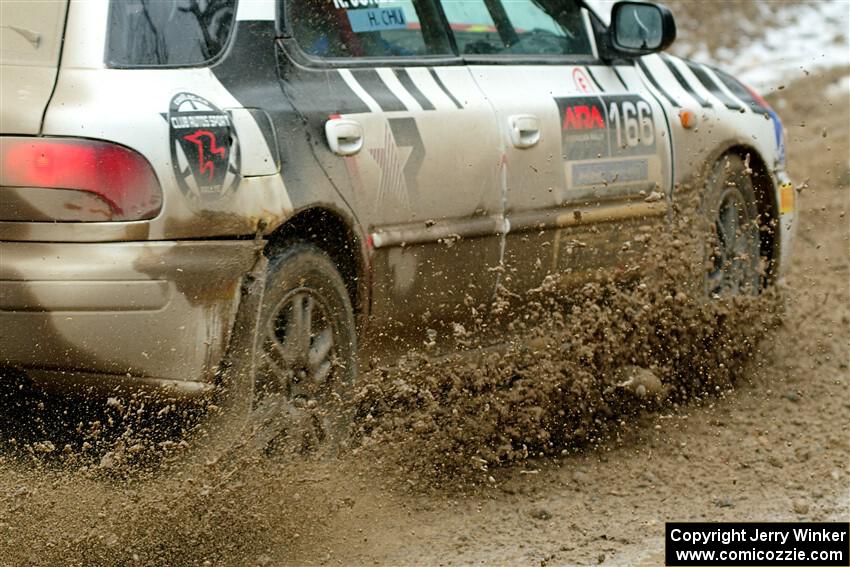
69, 179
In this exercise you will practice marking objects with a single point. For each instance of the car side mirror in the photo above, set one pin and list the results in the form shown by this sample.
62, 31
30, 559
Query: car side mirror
640, 28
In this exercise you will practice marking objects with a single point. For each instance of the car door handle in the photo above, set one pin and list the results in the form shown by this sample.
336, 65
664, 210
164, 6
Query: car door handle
525, 130
345, 137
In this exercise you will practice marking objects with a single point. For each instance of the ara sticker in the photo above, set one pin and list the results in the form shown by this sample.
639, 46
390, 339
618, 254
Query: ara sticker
606, 126
205, 153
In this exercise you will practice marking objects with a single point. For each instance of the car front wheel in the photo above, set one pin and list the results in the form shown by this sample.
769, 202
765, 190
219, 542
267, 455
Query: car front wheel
733, 247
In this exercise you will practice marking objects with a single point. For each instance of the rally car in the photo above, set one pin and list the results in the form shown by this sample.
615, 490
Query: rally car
393, 162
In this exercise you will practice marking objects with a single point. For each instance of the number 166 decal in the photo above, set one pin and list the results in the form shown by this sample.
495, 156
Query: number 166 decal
632, 122
606, 126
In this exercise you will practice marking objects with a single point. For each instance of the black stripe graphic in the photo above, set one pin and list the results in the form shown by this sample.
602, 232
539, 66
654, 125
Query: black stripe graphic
377, 89
620, 77
684, 82
332, 90
655, 84
445, 90
712, 87
739, 90
592, 78
407, 83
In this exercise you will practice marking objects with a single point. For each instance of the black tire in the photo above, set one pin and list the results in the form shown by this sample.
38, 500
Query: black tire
307, 352
733, 249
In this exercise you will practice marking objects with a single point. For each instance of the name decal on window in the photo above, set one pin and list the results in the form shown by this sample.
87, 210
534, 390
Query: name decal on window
374, 19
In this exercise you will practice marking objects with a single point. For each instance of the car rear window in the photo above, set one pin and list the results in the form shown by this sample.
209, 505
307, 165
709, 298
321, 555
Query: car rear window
368, 28
167, 33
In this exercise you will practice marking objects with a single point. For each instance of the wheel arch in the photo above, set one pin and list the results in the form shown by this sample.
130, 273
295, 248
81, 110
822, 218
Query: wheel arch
334, 234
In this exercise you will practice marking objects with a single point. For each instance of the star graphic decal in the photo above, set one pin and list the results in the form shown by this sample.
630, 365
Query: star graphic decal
391, 159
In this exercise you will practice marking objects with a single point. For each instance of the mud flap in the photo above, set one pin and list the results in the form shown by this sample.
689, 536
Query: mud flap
236, 423
231, 408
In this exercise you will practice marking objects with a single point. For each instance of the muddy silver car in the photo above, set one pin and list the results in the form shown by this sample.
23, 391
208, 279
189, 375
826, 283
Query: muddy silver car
395, 161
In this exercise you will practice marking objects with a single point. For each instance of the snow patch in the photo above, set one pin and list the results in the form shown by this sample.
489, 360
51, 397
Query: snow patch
806, 37
838, 89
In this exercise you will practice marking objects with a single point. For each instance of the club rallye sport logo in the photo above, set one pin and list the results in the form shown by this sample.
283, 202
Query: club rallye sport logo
205, 152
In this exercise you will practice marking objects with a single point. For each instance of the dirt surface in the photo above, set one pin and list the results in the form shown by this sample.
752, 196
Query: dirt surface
731, 24
753, 428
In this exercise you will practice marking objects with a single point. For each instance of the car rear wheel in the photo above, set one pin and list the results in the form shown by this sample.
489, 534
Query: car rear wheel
306, 360
733, 246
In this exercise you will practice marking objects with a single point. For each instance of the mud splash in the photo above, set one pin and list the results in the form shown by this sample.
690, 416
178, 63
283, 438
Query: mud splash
106, 482
583, 365
118, 483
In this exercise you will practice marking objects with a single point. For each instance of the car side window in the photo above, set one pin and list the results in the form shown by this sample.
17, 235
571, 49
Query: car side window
368, 28
517, 27
167, 33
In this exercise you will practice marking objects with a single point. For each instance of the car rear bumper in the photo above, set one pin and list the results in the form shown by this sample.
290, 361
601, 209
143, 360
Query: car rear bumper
153, 311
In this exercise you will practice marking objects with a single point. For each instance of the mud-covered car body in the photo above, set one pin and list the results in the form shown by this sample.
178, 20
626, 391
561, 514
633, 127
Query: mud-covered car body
429, 165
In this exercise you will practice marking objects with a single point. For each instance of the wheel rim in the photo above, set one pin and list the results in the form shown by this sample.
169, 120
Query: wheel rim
734, 258
299, 344
299, 364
